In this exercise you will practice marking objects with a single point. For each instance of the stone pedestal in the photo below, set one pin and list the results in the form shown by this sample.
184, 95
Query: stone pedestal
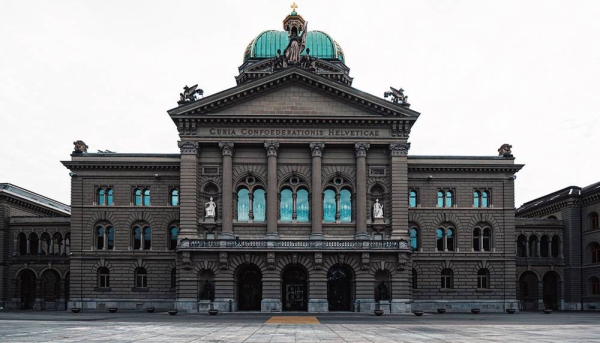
225, 305
401, 306
318, 306
204, 306
270, 305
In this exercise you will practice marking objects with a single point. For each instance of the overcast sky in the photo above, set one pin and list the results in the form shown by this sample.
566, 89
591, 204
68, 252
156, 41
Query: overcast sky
481, 73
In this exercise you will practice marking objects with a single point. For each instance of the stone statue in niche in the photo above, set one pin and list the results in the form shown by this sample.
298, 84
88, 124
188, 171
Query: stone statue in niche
377, 210
210, 209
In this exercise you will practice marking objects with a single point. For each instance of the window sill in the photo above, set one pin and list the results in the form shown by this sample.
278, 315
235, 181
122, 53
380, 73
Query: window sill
484, 290
102, 289
139, 289
448, 290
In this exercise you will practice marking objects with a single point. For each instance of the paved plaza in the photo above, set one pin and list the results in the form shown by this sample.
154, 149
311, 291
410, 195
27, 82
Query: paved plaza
21, 326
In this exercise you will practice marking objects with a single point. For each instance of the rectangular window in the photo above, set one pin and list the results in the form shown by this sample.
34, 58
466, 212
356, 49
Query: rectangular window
104, 281
141, 281
482, 281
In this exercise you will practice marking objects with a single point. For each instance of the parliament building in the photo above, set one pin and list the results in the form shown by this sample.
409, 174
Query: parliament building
294, 191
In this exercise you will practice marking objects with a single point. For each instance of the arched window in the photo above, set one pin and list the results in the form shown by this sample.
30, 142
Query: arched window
174, 278
482, 239
103, 277
293, 201
142, 237
174, 201
141, 278
481, 198
593, 220
594, 284
445, 198
104, 196
337, 201
137, 197
46, 242
483, 278
146, 197
595, 252
100, 196
22, 241
412, 198
445, 239
251, 205
414, 238
173, 235
105, 237
206, 285
57, 244
522, 246
447, 278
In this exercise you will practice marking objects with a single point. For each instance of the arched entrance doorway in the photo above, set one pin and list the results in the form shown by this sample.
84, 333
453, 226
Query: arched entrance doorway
340, 287
295, 289
249, 283
27, 281
528, 291
50, 289
550, 282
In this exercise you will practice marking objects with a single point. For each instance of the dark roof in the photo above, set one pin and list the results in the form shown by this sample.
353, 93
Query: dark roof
21, 193
557, 196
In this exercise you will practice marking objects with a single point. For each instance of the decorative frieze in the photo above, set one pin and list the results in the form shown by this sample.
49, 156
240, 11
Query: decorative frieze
325, 245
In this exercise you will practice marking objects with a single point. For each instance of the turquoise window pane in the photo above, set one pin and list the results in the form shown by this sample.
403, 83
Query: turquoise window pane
259, 205
448, 199
414, 242
146, 197
109, 197
476, 199
101, 196
111, 237
345, 206
412, 199
440, 199
302, 206
137, 200
286, 206
137, 237
329, 207
484, 199
174, 233
450, 240
174, 197
243, 205
100, 230
147, 238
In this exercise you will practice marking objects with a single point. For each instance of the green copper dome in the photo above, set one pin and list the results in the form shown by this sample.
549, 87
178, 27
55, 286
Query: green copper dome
266, 44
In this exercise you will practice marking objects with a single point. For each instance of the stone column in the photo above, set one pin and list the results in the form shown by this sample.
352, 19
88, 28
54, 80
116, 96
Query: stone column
538, 253
272, 148
361, 190
316, 210
399, 191
188, 186
540, 295
28, 245
227, 210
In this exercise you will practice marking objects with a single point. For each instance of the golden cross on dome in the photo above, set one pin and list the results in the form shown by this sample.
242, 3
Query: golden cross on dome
294, 6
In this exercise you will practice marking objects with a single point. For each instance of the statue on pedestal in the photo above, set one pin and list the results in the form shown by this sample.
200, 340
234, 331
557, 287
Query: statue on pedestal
377, 210
210, 209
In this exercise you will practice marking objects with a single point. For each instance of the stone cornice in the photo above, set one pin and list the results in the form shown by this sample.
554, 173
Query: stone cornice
75, 165
512, 168
315, 82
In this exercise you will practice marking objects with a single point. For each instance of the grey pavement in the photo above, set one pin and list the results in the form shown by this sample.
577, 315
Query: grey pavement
28, 326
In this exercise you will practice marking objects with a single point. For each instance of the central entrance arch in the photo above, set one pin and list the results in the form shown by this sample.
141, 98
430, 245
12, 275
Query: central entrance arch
249, 283
28, 294
340, 286
550, 283
295, 289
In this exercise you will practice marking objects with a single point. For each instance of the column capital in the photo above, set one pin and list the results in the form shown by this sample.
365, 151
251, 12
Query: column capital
272, 148
188, 147
399, 149
226, 148
361, 149
316, 149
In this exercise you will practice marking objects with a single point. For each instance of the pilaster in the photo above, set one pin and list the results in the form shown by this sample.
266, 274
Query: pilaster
188, 185
272, 148
227, 210
316, 150
399, 191
361, 190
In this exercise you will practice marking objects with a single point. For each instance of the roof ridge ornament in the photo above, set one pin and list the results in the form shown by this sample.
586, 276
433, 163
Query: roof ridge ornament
190, 94
398, 97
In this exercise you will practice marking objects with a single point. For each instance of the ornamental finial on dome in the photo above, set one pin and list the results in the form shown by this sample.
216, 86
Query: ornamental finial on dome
293, 23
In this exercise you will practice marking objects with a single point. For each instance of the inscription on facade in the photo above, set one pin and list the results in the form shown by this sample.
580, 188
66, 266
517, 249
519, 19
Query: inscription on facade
213, 131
